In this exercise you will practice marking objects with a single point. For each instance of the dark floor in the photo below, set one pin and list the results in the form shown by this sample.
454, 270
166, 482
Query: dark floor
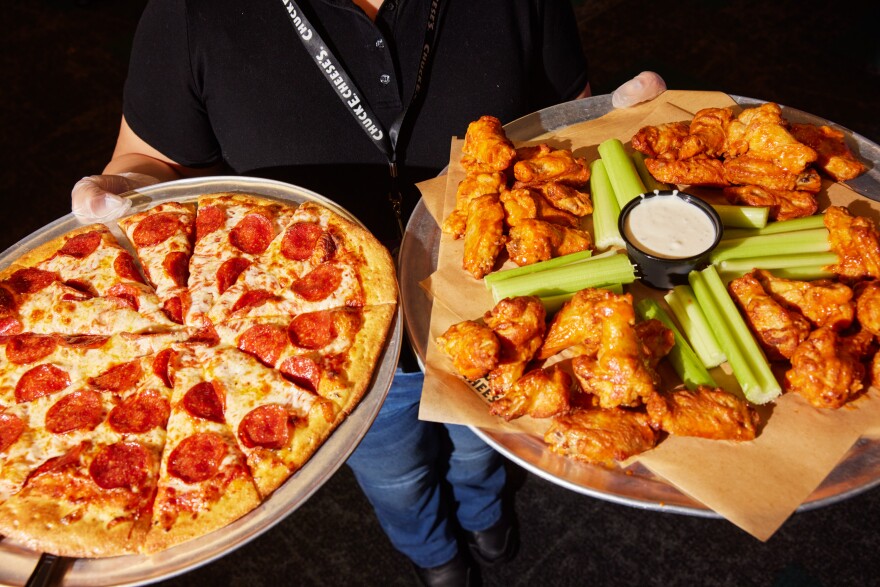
64, 63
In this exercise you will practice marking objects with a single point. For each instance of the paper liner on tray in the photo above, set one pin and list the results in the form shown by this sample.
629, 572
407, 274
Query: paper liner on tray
756, 485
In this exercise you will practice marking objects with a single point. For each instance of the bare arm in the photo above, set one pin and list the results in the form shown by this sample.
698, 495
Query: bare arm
133, 154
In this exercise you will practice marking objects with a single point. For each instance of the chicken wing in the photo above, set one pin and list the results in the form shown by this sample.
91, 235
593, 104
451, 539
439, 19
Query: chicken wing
577, 323
558, 165
534, 240
600, 436
620, 375
656, 340
834, 156
708, 132
540, 393
486, 147
484, 236
662, 141
525, 203
868, 306
822, 302
855, 240
566, 197
520, 324
698, 171
778, 330
473, 348
704, 412
782, 204
472, 186
823, 372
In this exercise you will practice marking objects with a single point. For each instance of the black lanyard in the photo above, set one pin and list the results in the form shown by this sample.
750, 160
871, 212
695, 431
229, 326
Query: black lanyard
353, 99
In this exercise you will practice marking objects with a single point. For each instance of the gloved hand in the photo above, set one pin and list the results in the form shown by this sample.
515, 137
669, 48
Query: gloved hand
645, 86
95, 198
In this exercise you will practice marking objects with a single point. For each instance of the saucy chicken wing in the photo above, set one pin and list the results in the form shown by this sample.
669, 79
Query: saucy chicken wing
782, 204
473, 348
708, 132
540, 393
656, 339
822, 302
834, 157
600, 436
566, 197
663, 141
558, 165
823, 372
472, 186
484, 235
520, 324
486, 147
855, 240
525, 203
699, 171
533, 240
777, 329
868, 306
704, 412
577, 323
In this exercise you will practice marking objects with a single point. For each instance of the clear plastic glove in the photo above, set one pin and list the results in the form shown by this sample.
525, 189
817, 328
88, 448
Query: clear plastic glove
645, 86
96, 198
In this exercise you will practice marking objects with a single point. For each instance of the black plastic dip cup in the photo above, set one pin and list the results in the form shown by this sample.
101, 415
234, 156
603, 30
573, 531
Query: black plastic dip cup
668, 234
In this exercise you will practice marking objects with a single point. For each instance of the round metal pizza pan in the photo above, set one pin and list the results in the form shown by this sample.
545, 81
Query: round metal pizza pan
17, 562
636, 486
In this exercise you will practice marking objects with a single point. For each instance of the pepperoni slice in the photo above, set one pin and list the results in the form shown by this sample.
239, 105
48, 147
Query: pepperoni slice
11, 427
252, 234
80, 410
197, 458
203, 400
125, 267
173, 308
155, 229
161, 363
7, 302
252, 299
39, 381
300, 239
69, 459
140, 413
30, 348
229, 272
313, 330
82, 290
319, 283
125, 294
176, 264
124, 464
266, 427
31, 280
82, 245
9, 326
302, 371
209, 219
263, 341
118, 378
85, 341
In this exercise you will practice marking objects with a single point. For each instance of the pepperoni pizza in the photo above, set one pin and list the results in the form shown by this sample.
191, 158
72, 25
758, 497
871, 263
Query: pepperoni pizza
141, 407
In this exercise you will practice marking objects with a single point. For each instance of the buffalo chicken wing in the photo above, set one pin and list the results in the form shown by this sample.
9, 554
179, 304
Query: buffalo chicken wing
600, 436
704, 412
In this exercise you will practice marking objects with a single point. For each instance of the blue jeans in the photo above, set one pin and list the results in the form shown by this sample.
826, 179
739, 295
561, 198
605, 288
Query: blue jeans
403, 465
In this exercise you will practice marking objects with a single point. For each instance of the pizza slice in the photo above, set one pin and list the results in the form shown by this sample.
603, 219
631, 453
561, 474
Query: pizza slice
320, 261
80, 477
232, 231
163, 241
277, 424
329, 352
204, 480
83, 282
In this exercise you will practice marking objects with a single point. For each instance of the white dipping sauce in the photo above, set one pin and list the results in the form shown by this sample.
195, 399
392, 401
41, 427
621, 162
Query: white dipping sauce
669, 227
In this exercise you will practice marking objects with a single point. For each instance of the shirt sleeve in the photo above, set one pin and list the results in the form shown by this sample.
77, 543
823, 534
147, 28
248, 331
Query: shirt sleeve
162, 100
565, 65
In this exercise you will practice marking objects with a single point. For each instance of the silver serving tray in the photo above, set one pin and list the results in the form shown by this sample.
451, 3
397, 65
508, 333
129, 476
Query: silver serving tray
17, 562
635, 486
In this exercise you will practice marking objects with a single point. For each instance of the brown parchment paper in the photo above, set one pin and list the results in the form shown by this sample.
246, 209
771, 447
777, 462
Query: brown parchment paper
756, 485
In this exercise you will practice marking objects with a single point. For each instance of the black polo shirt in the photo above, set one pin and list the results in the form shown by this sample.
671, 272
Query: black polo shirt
229, 80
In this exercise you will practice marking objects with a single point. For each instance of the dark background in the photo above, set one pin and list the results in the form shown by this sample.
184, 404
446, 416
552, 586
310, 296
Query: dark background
64, 65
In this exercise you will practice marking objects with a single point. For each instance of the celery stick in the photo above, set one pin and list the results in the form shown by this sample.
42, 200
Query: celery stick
543, 265
605, 208
742, 216
693, 322
685, 362
597, 271
648, 180
804, 273
776, 262
783, 243
795, 224
621, 171
745, 356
